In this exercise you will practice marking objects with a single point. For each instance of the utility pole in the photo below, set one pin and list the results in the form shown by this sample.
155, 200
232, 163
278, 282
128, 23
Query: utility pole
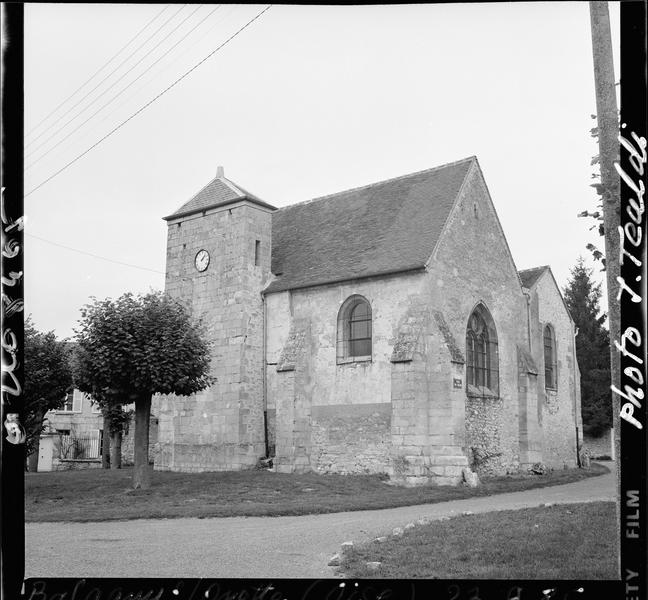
608, 131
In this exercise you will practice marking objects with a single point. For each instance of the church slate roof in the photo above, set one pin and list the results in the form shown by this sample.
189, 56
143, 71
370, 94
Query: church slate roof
528, 277
217, 192
385, 227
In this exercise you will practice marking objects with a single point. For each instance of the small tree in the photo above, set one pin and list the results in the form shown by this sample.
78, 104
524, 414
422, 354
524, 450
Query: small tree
582, 296
137, 346
48, 377
114, 420
117, 420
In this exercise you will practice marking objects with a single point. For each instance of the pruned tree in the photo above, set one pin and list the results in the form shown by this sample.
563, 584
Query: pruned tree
583, 296
137, 346
48, 376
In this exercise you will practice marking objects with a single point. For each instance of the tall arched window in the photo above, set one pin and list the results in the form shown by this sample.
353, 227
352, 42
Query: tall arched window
354, 330
551, 380
482, 360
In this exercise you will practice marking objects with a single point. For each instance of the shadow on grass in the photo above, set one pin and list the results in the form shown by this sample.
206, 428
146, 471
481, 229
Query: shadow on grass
104, 495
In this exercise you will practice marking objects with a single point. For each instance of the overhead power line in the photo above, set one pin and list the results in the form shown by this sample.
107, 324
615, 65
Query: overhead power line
42, 183
96, 72
93, 130
118, 262
129, 84
227, 9
97, 86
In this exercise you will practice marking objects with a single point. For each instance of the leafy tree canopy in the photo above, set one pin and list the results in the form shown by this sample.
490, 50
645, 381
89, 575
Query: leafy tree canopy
583, 296
136, 346
48, 377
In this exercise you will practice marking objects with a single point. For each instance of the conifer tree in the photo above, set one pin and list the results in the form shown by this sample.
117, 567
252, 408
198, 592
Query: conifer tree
582, 296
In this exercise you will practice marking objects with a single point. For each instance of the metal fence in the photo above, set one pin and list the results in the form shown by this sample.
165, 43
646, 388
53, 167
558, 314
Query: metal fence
74, 447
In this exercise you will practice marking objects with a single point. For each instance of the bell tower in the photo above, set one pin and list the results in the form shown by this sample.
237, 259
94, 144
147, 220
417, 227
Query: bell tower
218, 261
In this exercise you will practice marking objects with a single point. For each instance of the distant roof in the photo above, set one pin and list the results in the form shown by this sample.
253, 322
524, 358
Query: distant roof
218, 192
386, 227
528, 277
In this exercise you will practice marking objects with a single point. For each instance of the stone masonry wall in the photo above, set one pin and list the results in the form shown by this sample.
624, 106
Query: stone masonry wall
529, 419
350, 383
472, 264
344, 388
220, 428
293, 404
484, 418
560, 408
351, 438
428, 412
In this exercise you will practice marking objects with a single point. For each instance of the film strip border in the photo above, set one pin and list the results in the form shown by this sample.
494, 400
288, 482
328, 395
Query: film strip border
633, 169
633, 584
12, 341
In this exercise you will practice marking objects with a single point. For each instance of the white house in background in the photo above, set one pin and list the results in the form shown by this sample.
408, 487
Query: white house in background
73, 435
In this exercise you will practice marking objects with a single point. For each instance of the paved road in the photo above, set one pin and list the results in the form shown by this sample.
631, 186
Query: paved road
277, 547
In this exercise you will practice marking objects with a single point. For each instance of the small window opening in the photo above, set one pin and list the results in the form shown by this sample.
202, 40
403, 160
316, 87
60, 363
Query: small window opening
257, 253
550, 358
354, 330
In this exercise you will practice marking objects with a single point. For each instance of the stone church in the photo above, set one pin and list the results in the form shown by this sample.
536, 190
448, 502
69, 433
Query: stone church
383, 329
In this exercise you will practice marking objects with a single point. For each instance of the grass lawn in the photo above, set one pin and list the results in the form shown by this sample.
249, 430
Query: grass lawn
569, 541
99, 495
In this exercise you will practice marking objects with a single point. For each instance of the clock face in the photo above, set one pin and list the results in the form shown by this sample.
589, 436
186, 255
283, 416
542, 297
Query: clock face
202, 260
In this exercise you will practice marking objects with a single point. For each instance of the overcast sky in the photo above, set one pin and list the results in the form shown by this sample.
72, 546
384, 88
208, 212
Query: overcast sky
305, 101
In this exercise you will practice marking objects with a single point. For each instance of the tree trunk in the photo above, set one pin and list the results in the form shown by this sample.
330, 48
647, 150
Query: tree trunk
115, 450
105, 444
608, 125
32, 459
142, 471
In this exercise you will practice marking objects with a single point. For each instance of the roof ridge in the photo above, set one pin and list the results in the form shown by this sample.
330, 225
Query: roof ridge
370, 185
230, 184
204, 187
534, 268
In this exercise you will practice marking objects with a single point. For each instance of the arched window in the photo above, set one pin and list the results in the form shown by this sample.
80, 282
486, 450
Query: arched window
482, 360
354, 330
551, 381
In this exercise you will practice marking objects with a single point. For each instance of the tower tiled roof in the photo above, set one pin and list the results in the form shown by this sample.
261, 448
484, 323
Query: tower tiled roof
386, 227
217, 192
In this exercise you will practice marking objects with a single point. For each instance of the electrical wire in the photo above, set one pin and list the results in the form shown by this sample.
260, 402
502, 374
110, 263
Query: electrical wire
95, 73
148, 103
118, 262
99, 84
95, 126
128, 85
